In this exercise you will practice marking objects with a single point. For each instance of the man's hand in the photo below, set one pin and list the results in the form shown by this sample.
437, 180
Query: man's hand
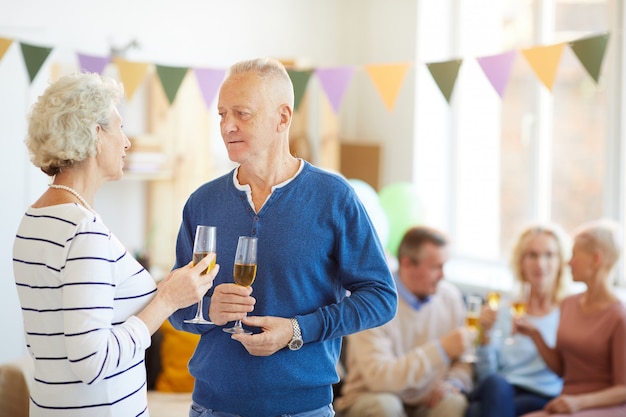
456, 342
276, 334
438, 393
230, 302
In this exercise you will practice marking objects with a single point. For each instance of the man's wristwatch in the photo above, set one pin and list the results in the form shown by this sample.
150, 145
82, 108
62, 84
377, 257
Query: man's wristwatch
296, 341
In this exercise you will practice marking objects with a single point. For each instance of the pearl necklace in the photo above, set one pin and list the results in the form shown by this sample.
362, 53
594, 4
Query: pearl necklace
72, 191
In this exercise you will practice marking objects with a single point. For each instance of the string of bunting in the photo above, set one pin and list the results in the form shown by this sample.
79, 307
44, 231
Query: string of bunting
387, 78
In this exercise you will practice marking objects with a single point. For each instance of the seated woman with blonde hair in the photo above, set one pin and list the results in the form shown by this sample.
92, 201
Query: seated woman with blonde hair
590, 351
512, 378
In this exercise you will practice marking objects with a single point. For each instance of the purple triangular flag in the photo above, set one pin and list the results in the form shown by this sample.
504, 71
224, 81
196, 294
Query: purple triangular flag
335, 81
91, 63
209, 80
497, 68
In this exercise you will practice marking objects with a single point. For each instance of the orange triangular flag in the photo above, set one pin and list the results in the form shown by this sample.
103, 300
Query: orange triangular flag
4, 46
387, 79
545, 60
131, 75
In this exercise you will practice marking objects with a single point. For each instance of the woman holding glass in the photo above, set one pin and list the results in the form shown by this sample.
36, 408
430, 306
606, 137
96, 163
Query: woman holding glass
590, 351
512, 377
89, 307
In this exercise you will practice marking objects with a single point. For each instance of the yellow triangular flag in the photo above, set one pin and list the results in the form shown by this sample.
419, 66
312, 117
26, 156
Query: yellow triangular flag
4, 46
131, 75
387, 79
545, 60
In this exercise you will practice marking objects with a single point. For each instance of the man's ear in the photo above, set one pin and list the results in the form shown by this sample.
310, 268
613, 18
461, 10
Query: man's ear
405, 261
286, 114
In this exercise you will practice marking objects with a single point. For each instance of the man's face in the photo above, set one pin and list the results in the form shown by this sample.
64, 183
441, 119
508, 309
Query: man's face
249, 119
422, 273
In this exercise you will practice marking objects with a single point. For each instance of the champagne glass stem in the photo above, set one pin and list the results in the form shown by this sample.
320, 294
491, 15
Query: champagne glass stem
238, 327
199, 310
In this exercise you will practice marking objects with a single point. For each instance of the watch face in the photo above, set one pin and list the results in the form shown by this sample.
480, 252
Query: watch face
295, 344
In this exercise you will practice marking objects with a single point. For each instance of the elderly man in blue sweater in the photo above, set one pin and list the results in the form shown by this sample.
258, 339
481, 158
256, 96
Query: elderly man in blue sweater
315, 241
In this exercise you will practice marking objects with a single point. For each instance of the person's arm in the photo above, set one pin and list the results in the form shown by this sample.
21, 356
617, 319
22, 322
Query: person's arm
98, 343
488, 346
551, 356
608, 397
372, 352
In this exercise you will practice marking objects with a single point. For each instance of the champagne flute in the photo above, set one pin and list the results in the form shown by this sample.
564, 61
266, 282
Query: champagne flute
493, 299
204, 244
518, 306
472, 321
244, 271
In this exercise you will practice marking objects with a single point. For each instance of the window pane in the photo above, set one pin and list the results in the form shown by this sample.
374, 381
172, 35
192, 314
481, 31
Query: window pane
580, 120
518, 122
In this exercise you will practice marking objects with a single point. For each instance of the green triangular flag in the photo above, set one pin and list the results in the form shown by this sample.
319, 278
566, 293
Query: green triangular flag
300, 79
445, 74
171, 79
590, 52
34, 57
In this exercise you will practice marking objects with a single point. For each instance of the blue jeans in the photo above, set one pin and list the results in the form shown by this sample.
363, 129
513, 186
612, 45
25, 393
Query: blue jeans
197, 410
495, 397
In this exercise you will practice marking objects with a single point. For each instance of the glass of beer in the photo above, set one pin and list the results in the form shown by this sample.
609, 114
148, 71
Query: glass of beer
244, 271
203, 244
472, 321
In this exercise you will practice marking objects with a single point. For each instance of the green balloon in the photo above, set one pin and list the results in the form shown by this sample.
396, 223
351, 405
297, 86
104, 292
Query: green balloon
402, 205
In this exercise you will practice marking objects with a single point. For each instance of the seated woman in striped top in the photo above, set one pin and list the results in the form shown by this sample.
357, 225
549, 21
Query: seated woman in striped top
89, 307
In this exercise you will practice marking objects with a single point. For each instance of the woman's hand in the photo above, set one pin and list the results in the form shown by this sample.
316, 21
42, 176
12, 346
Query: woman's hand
487, 317
563, 404
524, 326
181, 288
188, 284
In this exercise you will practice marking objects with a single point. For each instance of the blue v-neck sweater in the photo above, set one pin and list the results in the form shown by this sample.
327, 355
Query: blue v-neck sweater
315, 242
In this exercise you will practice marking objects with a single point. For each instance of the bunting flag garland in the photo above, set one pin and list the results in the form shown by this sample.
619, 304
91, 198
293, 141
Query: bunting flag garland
497, 69
209, 81
544, 61
445, 75
131, 75
387, 79
171, 79
335, 82
590, 52
34, 57
300, 80
4, 46
90, 63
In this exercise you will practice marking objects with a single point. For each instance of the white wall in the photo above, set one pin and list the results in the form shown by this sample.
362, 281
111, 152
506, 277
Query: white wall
194, 33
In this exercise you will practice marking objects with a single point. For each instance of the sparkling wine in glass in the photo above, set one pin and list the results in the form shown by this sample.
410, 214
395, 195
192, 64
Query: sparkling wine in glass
244, 271
472, 321
204, 244
518, 306
493, 300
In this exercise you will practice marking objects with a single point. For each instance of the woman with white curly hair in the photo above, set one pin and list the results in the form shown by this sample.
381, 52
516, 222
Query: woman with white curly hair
89, 307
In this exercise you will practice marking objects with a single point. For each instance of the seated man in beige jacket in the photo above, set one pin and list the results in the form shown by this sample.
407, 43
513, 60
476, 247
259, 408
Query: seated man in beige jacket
410, 366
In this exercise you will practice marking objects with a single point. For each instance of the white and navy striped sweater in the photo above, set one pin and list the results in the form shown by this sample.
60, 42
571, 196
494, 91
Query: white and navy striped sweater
79, 290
